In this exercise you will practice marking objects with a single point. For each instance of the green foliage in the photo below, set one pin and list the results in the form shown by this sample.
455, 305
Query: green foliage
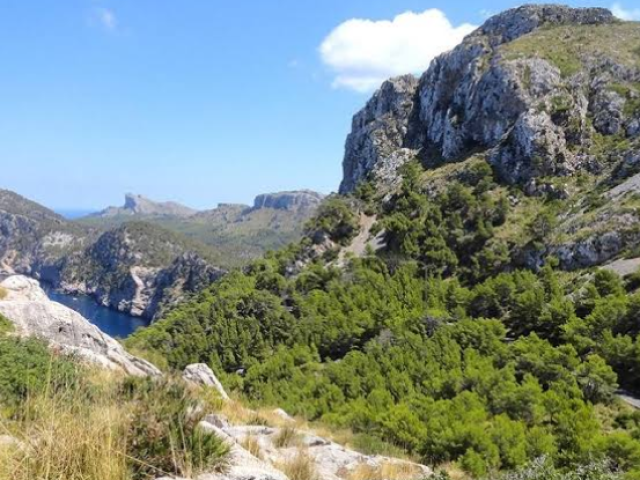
335, 219
5, 325
163, 433
28, 367
436, 345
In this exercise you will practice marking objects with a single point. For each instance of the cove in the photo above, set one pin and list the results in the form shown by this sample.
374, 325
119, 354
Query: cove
111, 322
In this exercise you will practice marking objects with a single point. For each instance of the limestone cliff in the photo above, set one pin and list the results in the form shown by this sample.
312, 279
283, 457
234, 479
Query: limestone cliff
549, 97
532, 109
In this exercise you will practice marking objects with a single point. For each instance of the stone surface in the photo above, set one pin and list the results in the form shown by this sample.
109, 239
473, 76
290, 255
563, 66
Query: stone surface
472, 98
139, 205
378, 133
201, 374
294, 201
33, 314
332, 461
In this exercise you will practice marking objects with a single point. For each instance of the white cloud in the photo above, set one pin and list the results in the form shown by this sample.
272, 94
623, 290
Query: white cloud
107, 18
624, 14
363, 53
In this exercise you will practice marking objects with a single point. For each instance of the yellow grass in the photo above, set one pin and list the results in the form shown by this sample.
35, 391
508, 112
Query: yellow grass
3, 293
250, 444
387, 471
300, 467
64, 437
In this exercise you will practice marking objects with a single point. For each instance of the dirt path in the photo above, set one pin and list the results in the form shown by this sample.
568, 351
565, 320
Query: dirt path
358, 245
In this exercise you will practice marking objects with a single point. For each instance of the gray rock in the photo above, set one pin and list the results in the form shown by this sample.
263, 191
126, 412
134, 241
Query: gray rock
378, 131
33, 314
472, 98
201, 374
293, 201
137, 205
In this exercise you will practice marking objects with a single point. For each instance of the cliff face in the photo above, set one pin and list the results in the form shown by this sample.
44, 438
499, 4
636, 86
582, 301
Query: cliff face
297, 201
549, 98
534, 110
136, 268
141, 206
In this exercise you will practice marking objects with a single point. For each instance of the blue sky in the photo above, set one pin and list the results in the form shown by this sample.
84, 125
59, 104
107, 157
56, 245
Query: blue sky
199, 101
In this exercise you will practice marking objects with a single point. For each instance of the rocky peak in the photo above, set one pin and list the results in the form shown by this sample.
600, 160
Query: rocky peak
378, 131
292, 201
142, 206
516, 22
529, 113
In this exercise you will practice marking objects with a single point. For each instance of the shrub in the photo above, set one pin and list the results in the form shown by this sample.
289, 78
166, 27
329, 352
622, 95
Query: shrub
27, 367
163, 435
336, 219
286, 437
5, 325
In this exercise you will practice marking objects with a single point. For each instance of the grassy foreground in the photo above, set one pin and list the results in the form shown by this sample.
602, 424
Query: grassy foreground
67, 422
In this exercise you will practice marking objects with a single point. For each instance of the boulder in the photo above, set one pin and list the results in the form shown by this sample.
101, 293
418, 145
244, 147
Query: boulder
33, 314
201, 374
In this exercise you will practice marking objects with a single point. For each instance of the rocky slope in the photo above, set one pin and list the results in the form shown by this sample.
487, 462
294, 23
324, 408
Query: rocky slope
137, 268
237, 232
27, 306
549, 97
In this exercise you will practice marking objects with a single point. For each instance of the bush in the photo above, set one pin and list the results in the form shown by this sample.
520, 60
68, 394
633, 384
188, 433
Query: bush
27, 367
163, 434
5, 325
336, 219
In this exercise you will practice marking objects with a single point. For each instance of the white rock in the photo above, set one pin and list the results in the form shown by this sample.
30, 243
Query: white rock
33, 314
201, 374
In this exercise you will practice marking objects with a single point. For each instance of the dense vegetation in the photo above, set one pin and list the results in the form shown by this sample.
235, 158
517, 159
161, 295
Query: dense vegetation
437, 344
76, 424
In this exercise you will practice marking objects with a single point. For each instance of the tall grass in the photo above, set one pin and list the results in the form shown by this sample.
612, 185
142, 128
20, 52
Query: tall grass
109, 428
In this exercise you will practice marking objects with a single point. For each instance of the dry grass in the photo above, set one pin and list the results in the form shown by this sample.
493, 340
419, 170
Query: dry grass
287, 437
251, 444
65, 437
3, 293
83, 434
387, 471
300, 467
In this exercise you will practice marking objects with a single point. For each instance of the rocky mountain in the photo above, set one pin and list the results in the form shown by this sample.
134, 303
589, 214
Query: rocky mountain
545, 95
481, 260
137, 268
141, 206
293, 201
237, 232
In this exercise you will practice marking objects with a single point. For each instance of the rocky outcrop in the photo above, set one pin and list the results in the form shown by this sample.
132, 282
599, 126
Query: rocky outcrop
529, 115
201, 374
27, 306
331, 461
374, 148
292, 201
137, 268
142, 206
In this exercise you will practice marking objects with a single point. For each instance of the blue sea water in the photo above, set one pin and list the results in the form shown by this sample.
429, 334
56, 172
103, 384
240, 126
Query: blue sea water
111, 322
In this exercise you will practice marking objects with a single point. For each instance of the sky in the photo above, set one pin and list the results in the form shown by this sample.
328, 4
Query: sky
202, 101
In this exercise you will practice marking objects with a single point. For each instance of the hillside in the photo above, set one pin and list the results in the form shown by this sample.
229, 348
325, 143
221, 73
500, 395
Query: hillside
473, 327
238, 232
137, 268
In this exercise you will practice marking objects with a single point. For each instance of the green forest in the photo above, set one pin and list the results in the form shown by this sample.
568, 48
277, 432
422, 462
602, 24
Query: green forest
441, 344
